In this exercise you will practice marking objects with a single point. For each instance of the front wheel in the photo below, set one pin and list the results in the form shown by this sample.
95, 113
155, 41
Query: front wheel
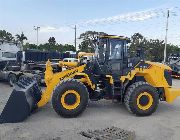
141, 99
70, 98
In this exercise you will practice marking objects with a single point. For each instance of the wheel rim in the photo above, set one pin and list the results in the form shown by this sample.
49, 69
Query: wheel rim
70, 99
144, 101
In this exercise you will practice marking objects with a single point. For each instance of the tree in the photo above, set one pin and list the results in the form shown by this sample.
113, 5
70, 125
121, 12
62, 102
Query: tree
6, 35
68, 47
137, 41
21, 38
88, 40
29, 46
57, 47
52, 41
153, 48
84, 47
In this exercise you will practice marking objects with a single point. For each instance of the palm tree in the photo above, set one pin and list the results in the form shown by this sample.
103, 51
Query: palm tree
21, 38
6, 35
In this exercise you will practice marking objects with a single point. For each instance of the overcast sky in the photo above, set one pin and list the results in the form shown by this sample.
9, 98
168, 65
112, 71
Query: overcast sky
120, 17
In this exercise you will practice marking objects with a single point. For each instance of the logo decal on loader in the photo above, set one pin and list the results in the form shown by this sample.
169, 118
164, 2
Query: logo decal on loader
69, 74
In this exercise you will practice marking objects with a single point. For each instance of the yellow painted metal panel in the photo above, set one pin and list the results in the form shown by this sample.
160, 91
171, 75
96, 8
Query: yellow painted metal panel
171, 94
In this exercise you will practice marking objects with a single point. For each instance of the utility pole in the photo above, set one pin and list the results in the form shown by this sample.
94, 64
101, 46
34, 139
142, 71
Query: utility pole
75, 37
165, 47
37, 28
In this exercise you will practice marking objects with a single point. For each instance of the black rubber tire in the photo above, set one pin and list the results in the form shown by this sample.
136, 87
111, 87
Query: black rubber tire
130, 98
70, 84
12, 79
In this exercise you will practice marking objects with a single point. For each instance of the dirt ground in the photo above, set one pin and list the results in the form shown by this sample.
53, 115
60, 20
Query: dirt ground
45, 124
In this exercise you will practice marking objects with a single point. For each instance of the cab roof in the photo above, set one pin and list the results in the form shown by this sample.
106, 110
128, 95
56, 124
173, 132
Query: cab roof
115, 37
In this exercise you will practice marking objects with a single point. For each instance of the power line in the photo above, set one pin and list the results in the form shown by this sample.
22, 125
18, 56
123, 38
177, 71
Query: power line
142, 18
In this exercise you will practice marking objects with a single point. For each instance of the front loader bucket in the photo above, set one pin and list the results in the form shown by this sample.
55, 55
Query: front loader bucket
22, 101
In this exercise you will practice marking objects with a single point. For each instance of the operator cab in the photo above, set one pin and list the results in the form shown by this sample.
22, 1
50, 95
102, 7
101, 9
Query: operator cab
112, 55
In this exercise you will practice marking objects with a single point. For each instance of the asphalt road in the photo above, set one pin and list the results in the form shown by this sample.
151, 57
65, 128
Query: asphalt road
45, 124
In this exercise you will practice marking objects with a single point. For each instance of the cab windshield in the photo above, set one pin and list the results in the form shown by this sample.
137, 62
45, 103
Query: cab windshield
110, 49
9, 54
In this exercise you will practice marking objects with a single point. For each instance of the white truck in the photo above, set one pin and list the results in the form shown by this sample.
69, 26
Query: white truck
8, 52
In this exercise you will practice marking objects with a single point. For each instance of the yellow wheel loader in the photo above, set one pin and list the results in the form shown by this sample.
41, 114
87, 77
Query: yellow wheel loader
111, 75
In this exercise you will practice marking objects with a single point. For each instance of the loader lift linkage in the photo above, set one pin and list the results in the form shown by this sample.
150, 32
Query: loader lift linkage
111, 74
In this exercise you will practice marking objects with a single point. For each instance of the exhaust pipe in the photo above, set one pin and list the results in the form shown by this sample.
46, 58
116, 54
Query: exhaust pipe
22, 101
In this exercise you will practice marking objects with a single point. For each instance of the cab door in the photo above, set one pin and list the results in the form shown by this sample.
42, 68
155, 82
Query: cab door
115, 59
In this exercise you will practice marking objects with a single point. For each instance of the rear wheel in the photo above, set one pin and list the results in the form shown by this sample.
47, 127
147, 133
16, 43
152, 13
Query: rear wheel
141, 99
70, 98
12, 78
